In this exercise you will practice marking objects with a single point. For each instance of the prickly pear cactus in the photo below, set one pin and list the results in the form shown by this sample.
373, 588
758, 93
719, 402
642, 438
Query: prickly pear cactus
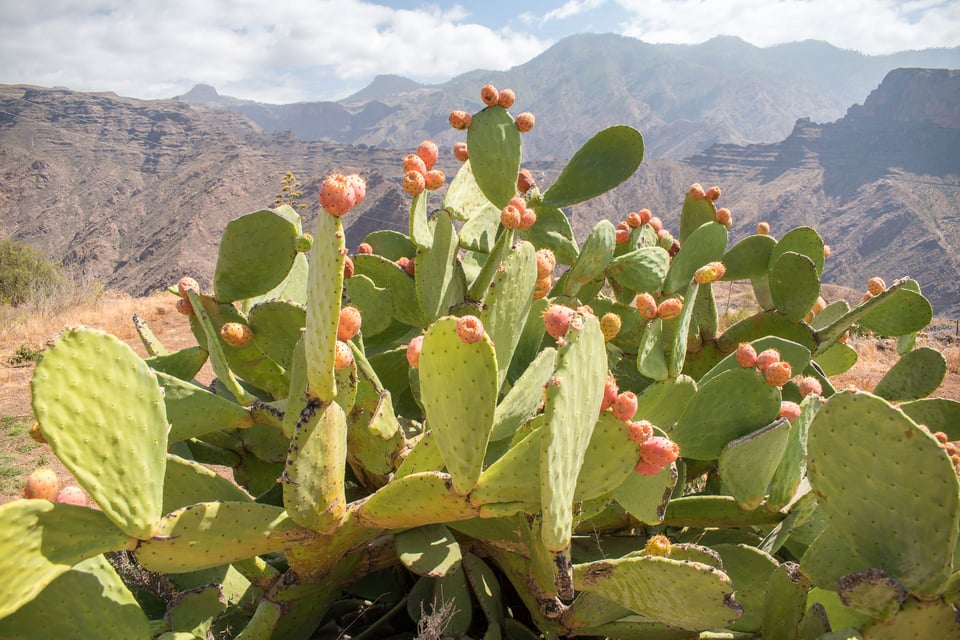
483, 428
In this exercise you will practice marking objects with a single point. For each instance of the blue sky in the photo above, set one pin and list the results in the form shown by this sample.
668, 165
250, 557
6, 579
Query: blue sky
295, 50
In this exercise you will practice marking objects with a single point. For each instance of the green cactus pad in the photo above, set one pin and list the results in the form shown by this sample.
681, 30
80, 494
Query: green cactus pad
323, 306
513, 477
786, 480
676, 332
702, 511
899, 310
749, 258
640, 270
385, 274
794, 284
89, 600
662, 403
689, 595
508, 303
43, 540
748, 463
479, 233
594, 258
276, 326
187, 482
183, 364
797, 355
489, 266
784, 604
553, 231
524, 396
151, 343
803, 240
313, 480
826, 611
464, 199
871, 592
651, 359
458, 383
207, 333
485, 586
694, 214
440, 282
602, 163
705, 244
454, 588
571, 407
767, 323
256, 253
887, 487
750, 570
837, 359
101, 409
193, 411
430, 550
938, 414
415, 500
375, 304
421, 229
917, 619
528, 348
494, 143
210, 534
390, 244
914, 376
609, 459
730, 405
646, 497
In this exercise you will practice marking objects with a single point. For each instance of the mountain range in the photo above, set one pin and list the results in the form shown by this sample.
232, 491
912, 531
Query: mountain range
136, 193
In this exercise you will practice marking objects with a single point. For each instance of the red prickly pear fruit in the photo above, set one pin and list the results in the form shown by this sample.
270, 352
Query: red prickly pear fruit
414, 183
696, 191
646, 304
359, 187
712, 194
347, 267
411, 267
469, 329
709, 272
413, 351
778, 374
674, 248
767, 358
610, 325
633, 220
659, 545
656, 223
747, 355
669, 309
41, 484
518, 202
507, 98
645, 216
808, 385
542, 287
623, 226
724, 217
528, 217
404, 262
640, 431
876, 286
460, 152
489, 95
342, 356
434, 179
460, 120
428, 152
763, 228
349, 325
525, 122
546, 263
36, 434
413, 162
236, 335
524, 180
656, 454
610, 393
364, 249
556, 320
511, 217
184, 307
186, 283
623, 236
72, 494
625, 406
303, 243
789, 410
826, 251
337, 195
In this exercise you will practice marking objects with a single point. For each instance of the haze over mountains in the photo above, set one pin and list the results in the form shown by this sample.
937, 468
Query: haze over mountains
136, 193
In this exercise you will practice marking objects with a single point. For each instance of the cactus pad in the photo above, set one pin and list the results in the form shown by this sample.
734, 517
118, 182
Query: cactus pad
748, 463
602, 163
323, 306
915, 375
494, 143
256, 253
430, 550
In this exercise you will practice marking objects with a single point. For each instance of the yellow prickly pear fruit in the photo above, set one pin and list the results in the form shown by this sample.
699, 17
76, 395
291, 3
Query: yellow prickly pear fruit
236, 334
709, 272
763, 228
610, 326
41, 484
658, 545
876, 286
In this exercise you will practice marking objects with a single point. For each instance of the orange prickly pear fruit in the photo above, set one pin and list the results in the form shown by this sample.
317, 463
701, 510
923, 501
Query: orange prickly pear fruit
414, 183
556, 320
625, 406
428, 152
413, 162
542, 287
350, 322
876, 286
41, 484
712, 194
622, 236
343, 356
364, 249
460, 152
763, 228
747, 355
669, 309
709, 272
74, 495
778, 374
236, 334
696, 191
525, 122
347, 267
524, 180
507, 98
546, 262
646, 304
469, 329
724, 217
460, 120
528, 217
610, 393
413, 351
808, 385
434, 179
511, 217
337, 195
489, 95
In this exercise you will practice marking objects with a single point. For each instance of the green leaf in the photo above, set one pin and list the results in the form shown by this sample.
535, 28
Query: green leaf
602, 163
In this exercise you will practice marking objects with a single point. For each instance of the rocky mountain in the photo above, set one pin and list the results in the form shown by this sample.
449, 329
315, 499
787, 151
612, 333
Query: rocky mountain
136, 193
685, 98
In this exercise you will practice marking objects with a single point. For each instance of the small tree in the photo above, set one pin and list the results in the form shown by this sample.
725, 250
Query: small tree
23, 270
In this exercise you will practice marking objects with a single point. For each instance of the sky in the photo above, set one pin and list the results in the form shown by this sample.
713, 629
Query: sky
282, 51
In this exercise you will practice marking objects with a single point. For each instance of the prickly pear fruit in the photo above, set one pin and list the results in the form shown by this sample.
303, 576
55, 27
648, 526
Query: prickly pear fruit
763, 228
646, 304
826, 251
347, 267
364, 249
489, 95
469, 329
510, 217
184, 307
350, 322
746, 355
41, 484
236, 334
808, 385
766, 358
669, 309
342, 356
524, 180
724, 217
74, 495
359, 187
625, 406
460, 152
525, 122
640, 431
633, 220
778, 374
542, 287
434, 179
414, 183
527, 218
713, 194
460, 120
507, 98
696, 191
656, 453
186, 283
337, 195
413, 162
876, 286
610, 326
658, 545
656, 223
789, 410
556, 319
623, 236
36, 434
710, 272
303, 243
645, 216
610, 393
413, 351
428, 152
546, 263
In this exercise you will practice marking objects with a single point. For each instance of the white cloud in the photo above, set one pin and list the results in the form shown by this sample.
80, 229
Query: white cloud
572, 8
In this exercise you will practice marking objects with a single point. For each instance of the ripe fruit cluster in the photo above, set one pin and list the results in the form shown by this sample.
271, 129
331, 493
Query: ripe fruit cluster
418, 171
775, 371
339, 193
517, 215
